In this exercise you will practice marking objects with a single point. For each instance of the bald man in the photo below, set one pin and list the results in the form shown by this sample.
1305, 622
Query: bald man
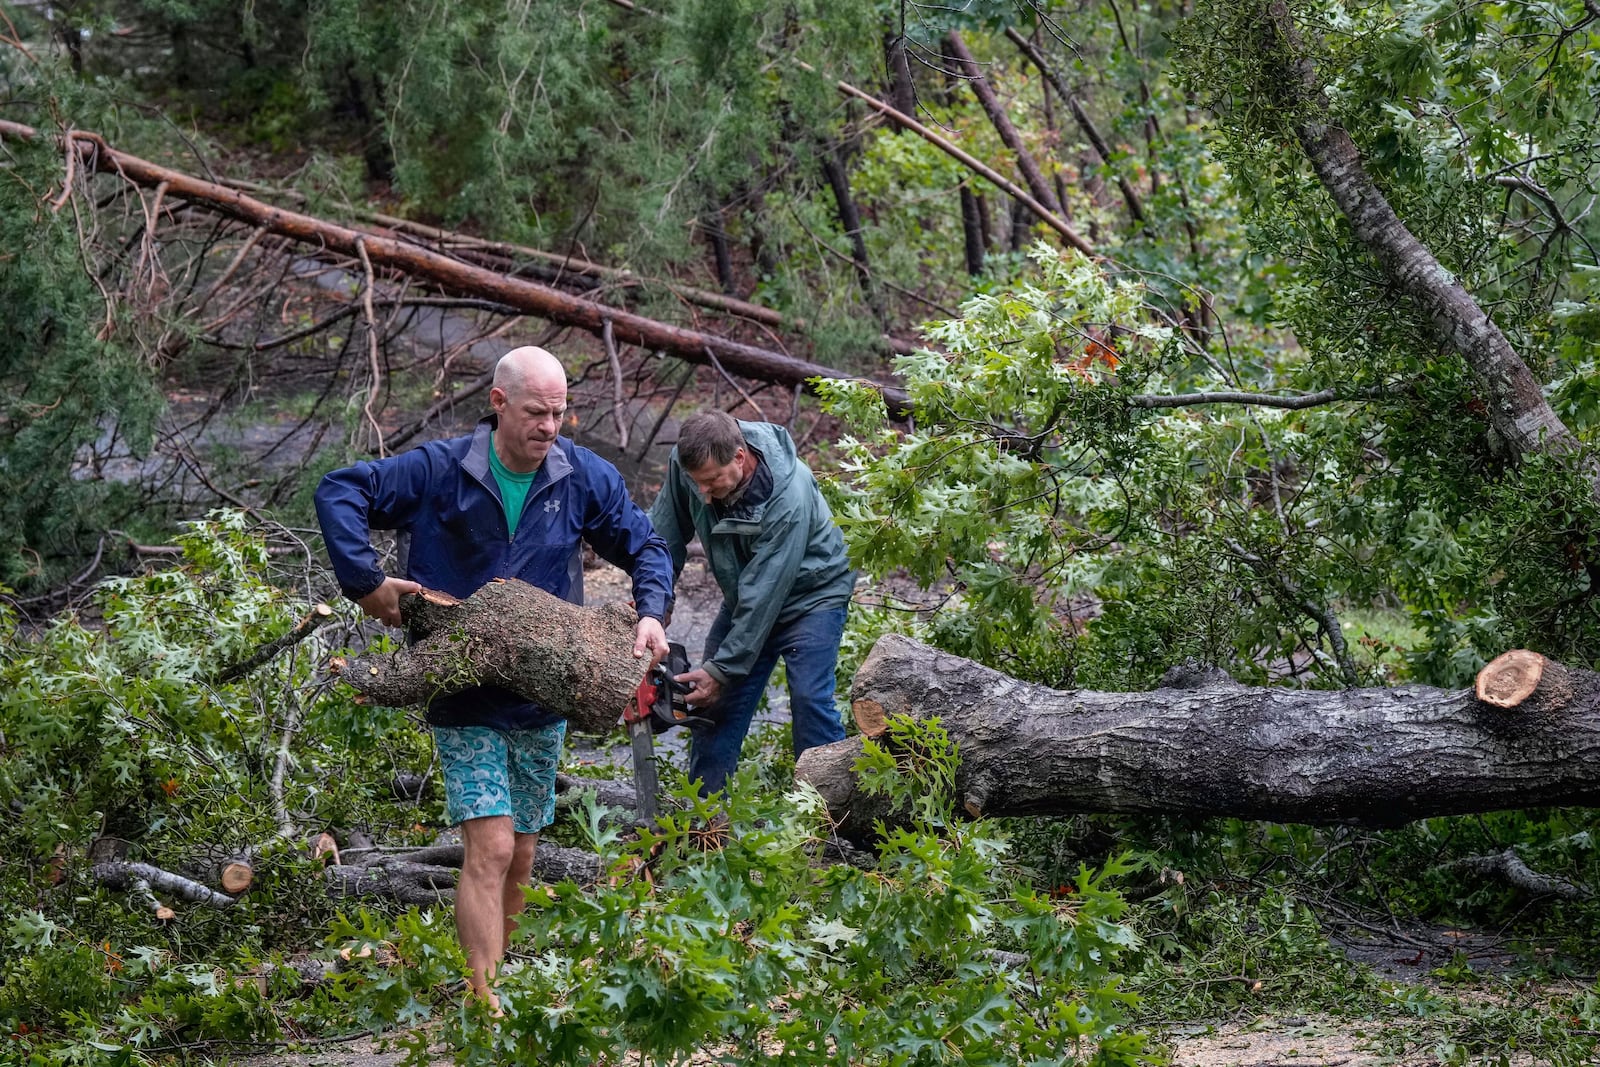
510, 500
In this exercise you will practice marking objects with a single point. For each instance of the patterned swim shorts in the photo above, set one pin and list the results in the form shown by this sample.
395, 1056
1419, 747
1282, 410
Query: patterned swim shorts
501, 772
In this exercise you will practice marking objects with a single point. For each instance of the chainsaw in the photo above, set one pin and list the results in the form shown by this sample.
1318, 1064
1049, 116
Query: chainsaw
658, 705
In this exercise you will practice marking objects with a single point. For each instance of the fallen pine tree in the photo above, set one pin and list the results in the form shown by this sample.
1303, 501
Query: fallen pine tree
1203, 744
383, 251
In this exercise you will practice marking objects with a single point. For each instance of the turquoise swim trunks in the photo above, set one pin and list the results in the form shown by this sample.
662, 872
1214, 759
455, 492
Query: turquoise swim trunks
501, 772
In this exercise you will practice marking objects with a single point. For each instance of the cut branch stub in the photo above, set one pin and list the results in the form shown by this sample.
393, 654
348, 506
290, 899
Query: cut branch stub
573, 661
1510, 678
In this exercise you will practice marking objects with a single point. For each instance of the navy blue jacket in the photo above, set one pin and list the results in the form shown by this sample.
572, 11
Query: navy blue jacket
444, 495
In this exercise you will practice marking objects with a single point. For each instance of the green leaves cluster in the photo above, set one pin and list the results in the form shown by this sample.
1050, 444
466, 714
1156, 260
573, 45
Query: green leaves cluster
744, 942
64, 384
111, 725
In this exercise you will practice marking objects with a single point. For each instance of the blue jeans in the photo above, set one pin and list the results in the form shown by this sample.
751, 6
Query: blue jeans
810, 649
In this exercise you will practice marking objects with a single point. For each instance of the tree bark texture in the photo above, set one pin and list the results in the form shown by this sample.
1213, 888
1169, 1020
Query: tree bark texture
142, 878
429, 875
1209, 746
1517, 406
451, 274
972, 231
901, 91
1027, 166
849, 217
574, 661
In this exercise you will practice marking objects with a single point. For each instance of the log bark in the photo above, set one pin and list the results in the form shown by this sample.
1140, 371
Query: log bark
972, 231
142, 878
1507, 865
575, 662
1518, 410
1210, 747
428, 875
849, 218
611, 794
451, 274
421, 884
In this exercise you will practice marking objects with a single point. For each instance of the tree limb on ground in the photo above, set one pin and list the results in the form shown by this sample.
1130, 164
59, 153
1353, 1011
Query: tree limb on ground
1209, 746
142, 878
1510, 867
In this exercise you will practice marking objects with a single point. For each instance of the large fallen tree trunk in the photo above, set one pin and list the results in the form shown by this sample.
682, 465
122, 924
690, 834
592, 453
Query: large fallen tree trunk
1205, 745
560, 270
93, 154
573, 661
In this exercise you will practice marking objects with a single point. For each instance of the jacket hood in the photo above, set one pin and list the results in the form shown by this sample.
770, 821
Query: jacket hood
775, 446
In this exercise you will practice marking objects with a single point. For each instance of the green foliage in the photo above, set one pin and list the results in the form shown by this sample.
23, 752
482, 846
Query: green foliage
63, 384
112, 725
743, 944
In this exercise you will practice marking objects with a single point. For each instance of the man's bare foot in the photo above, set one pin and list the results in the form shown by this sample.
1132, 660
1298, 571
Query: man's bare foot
490, 1000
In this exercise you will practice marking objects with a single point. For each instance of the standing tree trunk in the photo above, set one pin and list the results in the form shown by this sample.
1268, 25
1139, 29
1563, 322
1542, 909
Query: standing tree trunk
1021, 223
972, 230
902, 91
1205, 745
996, 111
850, 219
717, 237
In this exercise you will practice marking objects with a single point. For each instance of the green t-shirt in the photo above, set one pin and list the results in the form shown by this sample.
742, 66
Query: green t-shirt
514, 487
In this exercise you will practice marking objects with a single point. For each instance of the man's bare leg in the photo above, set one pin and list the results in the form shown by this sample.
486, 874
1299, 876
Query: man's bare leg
517, 879
489, 847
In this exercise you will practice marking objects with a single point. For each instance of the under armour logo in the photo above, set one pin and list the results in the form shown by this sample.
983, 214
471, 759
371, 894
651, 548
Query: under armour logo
552, 505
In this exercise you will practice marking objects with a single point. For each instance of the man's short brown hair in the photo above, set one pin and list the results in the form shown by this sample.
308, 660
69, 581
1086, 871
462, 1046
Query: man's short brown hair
708, 437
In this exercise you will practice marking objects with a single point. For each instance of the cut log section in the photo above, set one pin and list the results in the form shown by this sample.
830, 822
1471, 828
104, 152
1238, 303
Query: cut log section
1214, 747
575, 662
428, 875
1516, 678
235, 875
144, 880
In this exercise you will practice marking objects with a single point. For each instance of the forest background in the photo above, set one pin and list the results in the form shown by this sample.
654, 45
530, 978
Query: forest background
1177, 390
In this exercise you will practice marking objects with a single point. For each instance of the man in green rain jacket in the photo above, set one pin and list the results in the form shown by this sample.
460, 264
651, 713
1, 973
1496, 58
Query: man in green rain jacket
786, 582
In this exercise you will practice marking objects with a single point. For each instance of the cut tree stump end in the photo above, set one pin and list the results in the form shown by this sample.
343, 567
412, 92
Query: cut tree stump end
236, 877
1510, 678
870, 717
